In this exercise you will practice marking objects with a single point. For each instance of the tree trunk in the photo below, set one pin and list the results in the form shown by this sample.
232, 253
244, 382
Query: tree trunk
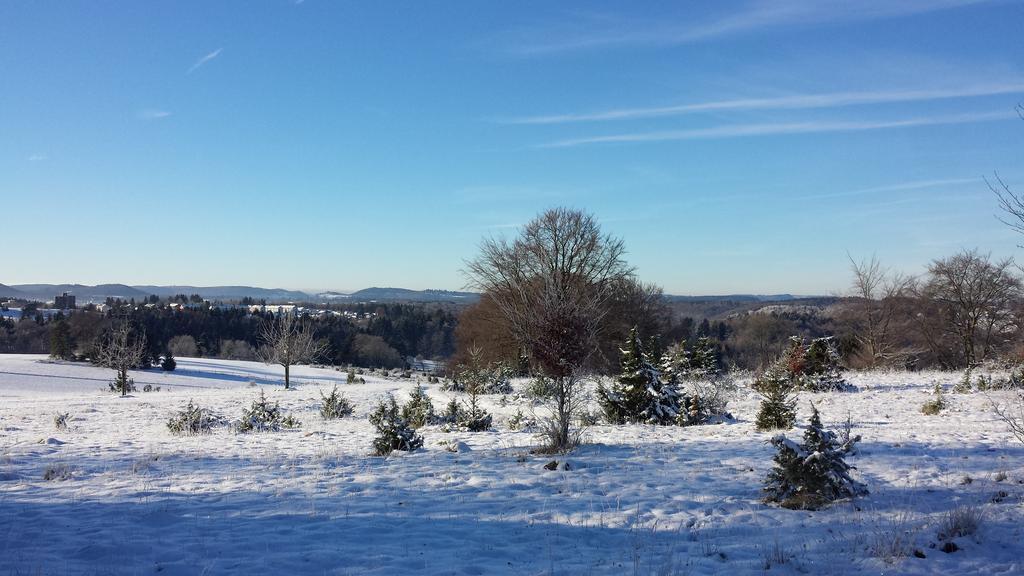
286, 371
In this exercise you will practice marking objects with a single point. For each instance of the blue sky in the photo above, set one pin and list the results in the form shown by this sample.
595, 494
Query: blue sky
737, 147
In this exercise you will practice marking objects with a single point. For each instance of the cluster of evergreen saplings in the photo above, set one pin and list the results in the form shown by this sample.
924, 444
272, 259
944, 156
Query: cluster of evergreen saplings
811, 367
396, 427
814, 473
647, 393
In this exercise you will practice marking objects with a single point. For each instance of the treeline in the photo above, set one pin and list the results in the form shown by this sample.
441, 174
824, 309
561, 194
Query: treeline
379, 336
965, 310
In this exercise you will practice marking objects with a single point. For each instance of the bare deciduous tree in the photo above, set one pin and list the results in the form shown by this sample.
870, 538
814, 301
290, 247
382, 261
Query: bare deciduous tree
1012, 415
551, 285
879, 293
122, 351
1010, 203
288, 341
969, 299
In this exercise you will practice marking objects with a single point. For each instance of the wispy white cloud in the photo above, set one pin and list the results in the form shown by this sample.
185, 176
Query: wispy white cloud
152, 114
38, 157
591, 31
903, 186
741, 130
793, 102
204, 60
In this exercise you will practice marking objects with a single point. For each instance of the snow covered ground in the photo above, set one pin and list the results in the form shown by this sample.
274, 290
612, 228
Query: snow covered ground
637, 500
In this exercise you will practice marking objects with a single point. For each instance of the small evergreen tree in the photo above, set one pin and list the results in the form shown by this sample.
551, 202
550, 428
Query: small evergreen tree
192, 420
675, 364
334, 405
419, 410
936, 404
393, 432
61, 345
813, 474
453, 413
965, 384
778, 407
475, 419
822, 371
704, 359
639, 395
168, 364
482, 377
263, 416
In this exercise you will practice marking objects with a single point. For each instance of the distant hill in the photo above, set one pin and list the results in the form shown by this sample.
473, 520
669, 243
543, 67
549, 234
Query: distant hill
228, 292
405, 295
83, 293
734, 298
8, 292
711, 305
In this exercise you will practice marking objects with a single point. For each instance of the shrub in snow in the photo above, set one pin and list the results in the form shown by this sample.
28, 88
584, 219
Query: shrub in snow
122, 384
704, 399
1014, 381
778, 406
469, 419
168, 364
350, 378
961, 521
475, 419
540, 388
936, 404
813, 474
60, 420
334, 405
638, 394
57, 472
393, 432
192, 420
263, 416
520, 421
419, 410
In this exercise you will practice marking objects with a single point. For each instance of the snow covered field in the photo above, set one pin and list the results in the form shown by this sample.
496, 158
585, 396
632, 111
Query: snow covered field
636, 500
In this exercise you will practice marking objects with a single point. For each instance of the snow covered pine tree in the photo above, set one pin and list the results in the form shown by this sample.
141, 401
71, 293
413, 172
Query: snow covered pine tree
639, 395
811, 475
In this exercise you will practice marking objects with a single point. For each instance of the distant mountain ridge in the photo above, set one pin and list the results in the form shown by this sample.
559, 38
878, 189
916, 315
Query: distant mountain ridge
736, 298
8, 292
407, 295
100, 292
227, 292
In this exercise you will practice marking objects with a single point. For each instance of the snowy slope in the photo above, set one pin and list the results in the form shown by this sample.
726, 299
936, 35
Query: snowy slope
637, 500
